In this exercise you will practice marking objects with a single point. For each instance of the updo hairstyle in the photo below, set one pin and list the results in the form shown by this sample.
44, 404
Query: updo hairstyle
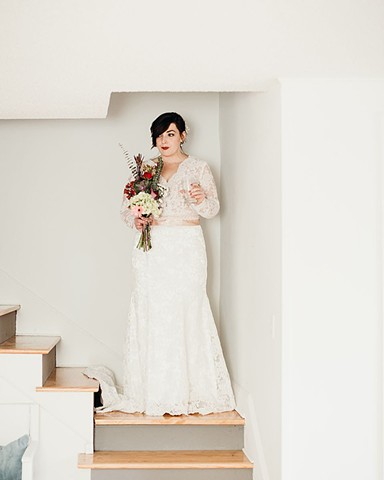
162, 122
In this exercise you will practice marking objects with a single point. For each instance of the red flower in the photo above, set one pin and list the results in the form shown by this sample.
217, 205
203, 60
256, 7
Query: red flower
147, 175
129, 189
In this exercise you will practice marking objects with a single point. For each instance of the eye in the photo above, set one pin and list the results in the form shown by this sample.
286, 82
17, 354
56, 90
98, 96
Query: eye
171, 134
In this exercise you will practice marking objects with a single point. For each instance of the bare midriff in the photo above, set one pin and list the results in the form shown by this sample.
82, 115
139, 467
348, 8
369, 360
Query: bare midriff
175, 222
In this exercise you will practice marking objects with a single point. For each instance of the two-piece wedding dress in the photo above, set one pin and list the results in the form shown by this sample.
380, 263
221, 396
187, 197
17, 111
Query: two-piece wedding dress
173, 358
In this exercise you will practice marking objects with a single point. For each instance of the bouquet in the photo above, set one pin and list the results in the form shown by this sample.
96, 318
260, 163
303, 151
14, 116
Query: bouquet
144, 192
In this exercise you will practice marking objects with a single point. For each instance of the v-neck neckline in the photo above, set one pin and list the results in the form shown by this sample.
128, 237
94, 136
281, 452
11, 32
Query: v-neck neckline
176, 172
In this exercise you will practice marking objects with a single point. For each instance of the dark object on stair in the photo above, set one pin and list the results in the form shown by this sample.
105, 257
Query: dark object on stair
97, 399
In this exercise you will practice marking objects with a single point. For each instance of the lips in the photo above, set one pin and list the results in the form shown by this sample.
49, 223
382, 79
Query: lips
165, 148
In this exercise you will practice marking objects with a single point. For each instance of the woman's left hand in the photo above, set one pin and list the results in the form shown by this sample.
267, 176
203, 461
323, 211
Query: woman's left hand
197, 193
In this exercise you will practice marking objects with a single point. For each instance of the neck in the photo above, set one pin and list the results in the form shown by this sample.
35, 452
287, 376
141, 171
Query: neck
176, 158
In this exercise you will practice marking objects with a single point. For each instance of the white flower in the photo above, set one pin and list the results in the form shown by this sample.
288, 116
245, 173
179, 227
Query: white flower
148, 204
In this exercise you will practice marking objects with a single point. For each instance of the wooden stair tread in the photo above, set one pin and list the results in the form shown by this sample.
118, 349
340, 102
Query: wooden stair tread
176, 459
5, 309
121, 418
29, 344
69, 379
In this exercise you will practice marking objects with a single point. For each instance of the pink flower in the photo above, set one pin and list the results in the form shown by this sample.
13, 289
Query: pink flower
137, 210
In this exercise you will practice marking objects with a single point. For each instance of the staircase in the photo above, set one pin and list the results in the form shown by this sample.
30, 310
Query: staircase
136, 446
64, 398
116, 445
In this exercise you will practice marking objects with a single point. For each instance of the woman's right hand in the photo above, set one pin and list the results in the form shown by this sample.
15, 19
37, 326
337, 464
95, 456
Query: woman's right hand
141, 222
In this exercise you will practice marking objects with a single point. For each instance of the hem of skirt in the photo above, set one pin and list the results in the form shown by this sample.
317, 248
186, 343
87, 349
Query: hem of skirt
164, 410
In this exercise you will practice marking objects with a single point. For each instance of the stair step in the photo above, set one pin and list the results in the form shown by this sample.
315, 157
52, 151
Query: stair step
119, 431
69, 379
120, 418
203, 459
174, 474
29, 344
5, 309
14, 354
168, 437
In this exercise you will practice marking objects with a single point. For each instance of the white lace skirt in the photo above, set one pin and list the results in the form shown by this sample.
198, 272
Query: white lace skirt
173, 361
173, 358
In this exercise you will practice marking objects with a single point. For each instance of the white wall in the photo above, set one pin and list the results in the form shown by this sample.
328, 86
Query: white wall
64, 252
62, 59
251, 267
332, 262
325, 291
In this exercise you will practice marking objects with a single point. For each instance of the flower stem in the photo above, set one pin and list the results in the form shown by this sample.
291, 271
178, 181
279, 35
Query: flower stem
144, 242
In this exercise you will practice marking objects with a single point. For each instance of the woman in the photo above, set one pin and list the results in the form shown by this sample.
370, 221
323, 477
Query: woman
173, 358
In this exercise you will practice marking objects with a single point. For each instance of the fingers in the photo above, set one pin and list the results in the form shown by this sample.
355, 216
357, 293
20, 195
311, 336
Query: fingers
141, 222
138, 224
197, 193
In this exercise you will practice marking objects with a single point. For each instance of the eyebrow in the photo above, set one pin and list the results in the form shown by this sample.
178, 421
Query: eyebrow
170, 131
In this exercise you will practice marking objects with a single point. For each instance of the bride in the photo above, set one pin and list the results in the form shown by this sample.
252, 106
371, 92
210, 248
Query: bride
173, 361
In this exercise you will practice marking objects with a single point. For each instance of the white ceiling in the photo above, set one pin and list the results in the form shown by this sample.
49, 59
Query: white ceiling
62, 59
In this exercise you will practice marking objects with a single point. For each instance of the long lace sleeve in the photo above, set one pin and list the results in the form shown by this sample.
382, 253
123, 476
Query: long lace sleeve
126, 213
210, 206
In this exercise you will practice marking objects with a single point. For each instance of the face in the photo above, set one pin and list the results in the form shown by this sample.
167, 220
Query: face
169, 141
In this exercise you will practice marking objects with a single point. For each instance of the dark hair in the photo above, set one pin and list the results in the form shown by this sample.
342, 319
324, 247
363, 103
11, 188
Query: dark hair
161, 124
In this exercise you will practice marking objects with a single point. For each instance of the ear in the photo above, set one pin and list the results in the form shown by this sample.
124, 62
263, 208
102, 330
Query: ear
183, 136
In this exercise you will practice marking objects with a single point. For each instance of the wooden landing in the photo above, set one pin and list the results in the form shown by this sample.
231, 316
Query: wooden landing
120, 418
69, 379
5, 309
183, 459
29, 344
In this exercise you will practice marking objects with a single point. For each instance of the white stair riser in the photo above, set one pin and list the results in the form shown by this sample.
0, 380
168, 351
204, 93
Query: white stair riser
169, 437
7, 326
66, 428
209, 474
25, 371
73, 412
28, 370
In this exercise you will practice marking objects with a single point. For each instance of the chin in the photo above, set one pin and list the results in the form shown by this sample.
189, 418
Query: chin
167, 153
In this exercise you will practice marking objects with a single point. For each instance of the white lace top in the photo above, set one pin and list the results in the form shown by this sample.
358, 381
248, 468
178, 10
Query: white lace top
176, 209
